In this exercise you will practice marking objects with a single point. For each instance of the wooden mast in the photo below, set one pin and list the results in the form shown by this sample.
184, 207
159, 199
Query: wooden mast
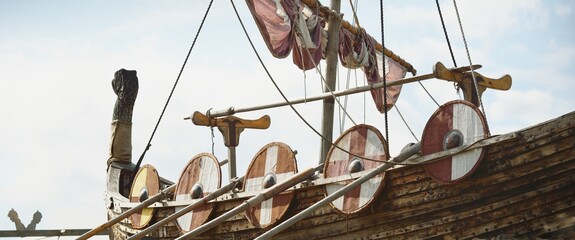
334, 24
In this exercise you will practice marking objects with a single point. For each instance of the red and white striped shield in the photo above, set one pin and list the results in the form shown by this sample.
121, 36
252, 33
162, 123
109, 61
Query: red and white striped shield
273, 164
454, 124
201, 177
359, 143
146, 184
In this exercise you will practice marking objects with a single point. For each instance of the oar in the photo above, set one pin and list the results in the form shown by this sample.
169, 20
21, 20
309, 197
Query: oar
188, 208
330, 198
254, 201
131, 211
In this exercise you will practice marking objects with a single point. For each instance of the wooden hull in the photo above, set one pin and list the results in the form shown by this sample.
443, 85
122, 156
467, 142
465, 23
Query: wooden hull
524, 187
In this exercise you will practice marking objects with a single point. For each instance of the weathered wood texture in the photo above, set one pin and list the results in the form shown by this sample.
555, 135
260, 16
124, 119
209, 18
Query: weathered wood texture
524, 188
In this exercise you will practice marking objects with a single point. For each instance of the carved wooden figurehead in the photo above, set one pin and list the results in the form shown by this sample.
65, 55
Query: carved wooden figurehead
35, 220
13, 215
125, 85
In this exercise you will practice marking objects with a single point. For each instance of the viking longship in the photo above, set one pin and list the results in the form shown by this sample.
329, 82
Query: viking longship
459, 181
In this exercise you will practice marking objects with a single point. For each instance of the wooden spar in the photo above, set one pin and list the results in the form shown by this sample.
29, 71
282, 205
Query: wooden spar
334, 24
412, 150
47, 233
315, 4
233, 110
257, 199
126, 214
188, 208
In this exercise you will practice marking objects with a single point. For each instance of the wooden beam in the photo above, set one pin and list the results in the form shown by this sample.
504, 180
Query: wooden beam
233, 110
48, 233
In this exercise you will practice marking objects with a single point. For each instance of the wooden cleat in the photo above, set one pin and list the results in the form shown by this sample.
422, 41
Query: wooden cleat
203, 120
463, 77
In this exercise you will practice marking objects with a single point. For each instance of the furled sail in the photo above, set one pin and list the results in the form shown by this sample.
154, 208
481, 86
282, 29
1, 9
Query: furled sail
310, 47
359, 51
288, 25
284, 26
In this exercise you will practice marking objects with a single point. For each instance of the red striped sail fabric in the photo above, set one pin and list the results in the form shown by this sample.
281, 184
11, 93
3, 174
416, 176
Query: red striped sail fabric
277, 22
359, 50
283, 26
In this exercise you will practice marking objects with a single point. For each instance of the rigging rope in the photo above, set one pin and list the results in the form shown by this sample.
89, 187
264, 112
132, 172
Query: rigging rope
428, 94
345, 100
445, 33
173, 89
291, 105
348, 77
405, 122
455, 85
469, 58
324, 81
384, 80
355, 19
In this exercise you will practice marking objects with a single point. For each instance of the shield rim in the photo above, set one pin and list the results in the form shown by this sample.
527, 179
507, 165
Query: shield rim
153, 210
481, 155
197, 157
289, 193
383, 174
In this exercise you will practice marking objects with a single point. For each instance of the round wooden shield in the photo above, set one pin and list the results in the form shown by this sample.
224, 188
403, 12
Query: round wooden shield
273, 164
201, 177
364, 142
146, 184
454, 124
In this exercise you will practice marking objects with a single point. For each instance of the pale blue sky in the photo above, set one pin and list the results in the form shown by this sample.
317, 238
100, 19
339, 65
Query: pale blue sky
57, 59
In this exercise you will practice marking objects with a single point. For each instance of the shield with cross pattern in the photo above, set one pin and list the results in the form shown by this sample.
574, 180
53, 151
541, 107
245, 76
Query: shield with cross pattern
360, 148
274, 163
